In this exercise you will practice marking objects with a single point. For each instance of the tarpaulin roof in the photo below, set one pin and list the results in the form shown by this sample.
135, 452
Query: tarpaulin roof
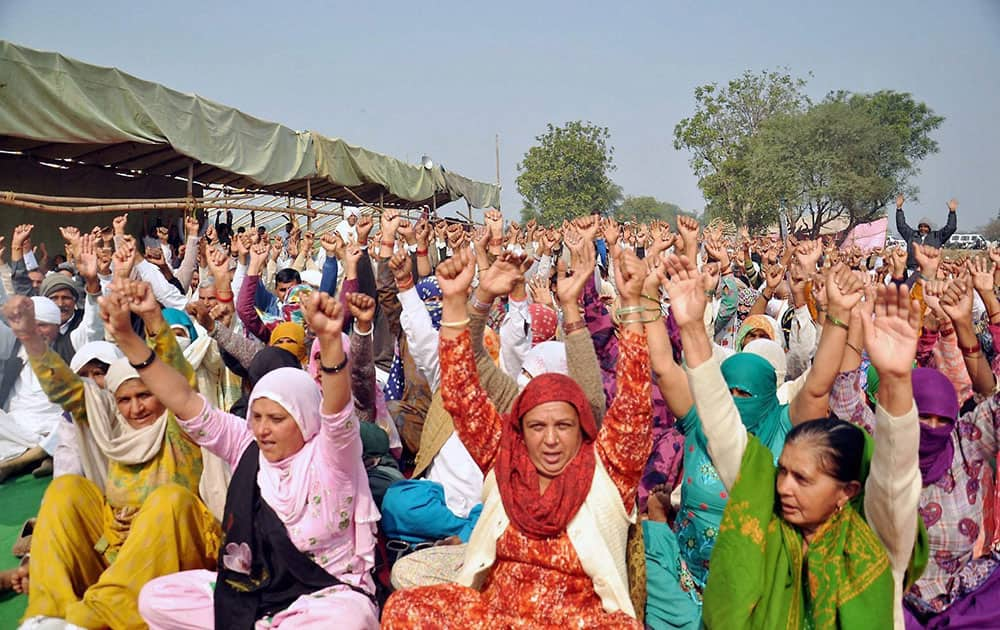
55, 108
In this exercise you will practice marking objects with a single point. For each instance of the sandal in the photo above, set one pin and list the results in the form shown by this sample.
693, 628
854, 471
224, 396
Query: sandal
23, 544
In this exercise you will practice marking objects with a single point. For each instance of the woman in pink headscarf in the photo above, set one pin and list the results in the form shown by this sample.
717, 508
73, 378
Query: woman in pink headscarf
299, 521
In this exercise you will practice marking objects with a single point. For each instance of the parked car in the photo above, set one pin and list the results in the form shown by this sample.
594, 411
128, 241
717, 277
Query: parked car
966, 241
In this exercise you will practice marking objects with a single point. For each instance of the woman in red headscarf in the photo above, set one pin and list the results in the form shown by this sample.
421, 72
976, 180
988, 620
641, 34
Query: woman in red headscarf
549, 548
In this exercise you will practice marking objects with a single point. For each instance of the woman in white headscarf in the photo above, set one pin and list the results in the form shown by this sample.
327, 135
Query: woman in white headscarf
99, 538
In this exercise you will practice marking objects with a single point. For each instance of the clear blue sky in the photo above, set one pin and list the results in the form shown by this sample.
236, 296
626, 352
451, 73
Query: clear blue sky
442, 78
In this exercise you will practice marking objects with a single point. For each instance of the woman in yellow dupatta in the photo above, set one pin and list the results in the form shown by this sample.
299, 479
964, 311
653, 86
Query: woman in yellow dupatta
94, 548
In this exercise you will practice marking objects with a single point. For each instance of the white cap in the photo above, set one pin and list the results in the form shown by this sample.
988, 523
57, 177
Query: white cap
46, 311
95, 350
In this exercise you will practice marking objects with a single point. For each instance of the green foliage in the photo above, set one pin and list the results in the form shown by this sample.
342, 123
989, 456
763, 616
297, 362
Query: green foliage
759, 144
843, 159
646, 209
566, 175
718, 136
991, 231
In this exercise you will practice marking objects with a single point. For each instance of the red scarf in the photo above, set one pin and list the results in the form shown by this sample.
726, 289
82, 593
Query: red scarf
546, 515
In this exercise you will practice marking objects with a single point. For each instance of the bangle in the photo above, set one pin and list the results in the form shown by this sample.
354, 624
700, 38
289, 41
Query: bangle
572, 327
836, 322
389, 244
946, 332
650, 298
226, 300
854, 347
970, 350
145, 364
626, 310
482, 307
421, 252
371, 329
337, 368
459, 324
406, 285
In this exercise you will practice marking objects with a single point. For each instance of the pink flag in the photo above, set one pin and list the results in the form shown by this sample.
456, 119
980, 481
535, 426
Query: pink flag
868, 236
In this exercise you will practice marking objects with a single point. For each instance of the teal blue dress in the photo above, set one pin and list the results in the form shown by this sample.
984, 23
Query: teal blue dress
677, 560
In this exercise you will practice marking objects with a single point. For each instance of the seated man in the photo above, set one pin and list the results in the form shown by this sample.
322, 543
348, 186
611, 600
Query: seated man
29, 422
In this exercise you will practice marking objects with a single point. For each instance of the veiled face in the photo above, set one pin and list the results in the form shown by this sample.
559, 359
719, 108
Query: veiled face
552, 436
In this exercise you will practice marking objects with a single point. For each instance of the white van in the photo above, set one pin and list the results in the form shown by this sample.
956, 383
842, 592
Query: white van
966, 241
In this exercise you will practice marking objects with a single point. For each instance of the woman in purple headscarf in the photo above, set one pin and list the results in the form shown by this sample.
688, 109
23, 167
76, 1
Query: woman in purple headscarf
957, 590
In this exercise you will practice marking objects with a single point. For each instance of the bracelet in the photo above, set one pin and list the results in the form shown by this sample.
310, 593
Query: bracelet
572, 327
650, 298
854, 347
946, 332
626, 310
836, 322
335, 369
421, 252
371, 329
145, 364
405, 286
482, 307
459, 324
389, 244
227, 300
971, 350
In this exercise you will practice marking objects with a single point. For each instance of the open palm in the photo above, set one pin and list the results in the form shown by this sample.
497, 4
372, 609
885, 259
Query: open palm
891, 337
686, 290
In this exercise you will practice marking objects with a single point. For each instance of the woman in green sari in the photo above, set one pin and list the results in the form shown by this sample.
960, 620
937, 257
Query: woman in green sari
824, 539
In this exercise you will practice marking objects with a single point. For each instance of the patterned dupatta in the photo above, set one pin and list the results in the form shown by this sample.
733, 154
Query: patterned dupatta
762, 577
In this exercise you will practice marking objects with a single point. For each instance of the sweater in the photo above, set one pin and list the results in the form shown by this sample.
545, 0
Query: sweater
599, 533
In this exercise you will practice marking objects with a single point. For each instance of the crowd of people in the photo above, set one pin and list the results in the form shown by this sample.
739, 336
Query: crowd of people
420, 423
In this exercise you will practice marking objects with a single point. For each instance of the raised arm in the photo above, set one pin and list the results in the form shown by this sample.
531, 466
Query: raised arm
951, 224
957, 303
581, 355
362, 307
892, 491
669, 376
905, 231
168, 384
724, 431
626, 437
60, 384
476, 419
844, 291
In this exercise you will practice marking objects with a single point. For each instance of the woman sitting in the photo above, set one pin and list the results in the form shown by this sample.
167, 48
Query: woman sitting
815, 541
299, 518
549, 549
99, 538
678, 557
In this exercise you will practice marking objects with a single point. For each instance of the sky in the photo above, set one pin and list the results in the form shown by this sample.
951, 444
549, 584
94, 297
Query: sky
444, 78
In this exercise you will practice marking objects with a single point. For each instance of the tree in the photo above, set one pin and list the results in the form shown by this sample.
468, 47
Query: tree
718, 136
646, 209
991, 231
566, 174
842, 160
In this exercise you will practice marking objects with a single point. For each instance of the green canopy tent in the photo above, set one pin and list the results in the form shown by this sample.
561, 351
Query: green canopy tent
61, 113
